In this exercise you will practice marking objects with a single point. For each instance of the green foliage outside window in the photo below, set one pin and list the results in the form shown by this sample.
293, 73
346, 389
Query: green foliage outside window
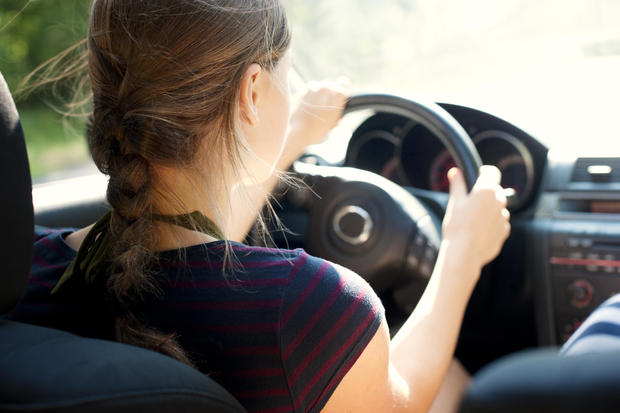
31, 32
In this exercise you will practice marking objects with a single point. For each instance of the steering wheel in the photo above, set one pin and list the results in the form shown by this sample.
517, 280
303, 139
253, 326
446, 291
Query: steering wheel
371, 225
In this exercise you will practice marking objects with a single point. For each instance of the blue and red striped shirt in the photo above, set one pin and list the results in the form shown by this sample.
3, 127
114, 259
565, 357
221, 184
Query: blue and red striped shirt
279, 332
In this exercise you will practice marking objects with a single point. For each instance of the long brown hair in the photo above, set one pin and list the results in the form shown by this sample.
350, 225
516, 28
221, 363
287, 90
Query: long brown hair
165, 75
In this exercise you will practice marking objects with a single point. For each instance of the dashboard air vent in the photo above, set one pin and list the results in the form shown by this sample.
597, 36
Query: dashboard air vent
596, 170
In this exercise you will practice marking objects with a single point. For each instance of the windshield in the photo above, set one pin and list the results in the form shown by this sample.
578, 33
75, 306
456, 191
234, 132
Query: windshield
539, 63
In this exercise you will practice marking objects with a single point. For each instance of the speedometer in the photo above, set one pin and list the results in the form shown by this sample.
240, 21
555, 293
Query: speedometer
497, 148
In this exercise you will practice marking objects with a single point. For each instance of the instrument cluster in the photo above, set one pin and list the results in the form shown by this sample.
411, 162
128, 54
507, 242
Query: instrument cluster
409, 154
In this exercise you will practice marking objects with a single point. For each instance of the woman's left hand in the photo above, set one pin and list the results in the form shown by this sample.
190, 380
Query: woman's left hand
319, 110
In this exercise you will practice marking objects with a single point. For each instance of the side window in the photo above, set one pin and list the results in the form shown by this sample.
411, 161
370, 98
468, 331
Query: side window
33, 32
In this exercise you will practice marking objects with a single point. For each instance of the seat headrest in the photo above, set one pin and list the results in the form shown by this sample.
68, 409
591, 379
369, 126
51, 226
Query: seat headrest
16, 216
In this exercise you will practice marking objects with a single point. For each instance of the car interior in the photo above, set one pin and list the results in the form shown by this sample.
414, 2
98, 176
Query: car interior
557, 266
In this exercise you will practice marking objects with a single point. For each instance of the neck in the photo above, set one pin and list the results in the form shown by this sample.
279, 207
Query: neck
233, 208
180, 192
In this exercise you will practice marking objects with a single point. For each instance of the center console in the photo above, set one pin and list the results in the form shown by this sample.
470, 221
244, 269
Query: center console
574, 255
584, 270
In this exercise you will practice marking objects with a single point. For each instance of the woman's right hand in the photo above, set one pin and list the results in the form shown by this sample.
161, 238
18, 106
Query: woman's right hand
477, 221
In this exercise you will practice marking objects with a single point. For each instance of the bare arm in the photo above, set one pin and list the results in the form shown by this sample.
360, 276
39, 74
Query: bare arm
406, 374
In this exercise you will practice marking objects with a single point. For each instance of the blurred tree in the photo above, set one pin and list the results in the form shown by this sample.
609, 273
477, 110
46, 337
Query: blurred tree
32, 31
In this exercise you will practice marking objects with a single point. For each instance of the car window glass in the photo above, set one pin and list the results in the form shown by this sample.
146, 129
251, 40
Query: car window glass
535, 63
32, 32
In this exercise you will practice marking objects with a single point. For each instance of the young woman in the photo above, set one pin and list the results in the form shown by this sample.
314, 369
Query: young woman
190, 122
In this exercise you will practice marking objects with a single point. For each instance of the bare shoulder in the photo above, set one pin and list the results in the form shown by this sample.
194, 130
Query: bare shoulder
75, 239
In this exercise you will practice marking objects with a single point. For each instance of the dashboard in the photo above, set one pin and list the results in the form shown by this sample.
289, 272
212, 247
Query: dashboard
409, 154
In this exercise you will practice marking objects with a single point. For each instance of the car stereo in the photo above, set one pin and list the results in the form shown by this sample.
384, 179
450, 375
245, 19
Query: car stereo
578, 269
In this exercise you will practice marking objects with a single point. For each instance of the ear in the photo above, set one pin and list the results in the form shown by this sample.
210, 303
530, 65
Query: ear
249, 94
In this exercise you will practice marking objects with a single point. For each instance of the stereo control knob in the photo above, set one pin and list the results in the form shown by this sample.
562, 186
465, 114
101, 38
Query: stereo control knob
580, 293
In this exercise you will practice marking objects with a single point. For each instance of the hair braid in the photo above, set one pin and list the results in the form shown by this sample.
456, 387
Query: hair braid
115, 143
129, 194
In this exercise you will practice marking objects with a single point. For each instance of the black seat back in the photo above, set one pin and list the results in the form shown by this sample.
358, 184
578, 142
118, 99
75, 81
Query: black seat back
16, 206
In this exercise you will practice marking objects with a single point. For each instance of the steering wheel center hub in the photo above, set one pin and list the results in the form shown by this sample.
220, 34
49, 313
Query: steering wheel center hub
352, 224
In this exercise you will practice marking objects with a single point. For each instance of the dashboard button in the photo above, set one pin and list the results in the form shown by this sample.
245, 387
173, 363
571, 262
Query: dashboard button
592, 267
412, 260
419, 241
586, 243
430, 254
609, 268
426, 269
574, 256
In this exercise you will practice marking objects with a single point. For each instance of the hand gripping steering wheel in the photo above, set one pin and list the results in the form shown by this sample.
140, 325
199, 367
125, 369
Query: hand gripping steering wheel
371, 225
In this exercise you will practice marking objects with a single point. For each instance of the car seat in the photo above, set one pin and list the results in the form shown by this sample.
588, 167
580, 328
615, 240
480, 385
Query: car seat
47, 370
543, 381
